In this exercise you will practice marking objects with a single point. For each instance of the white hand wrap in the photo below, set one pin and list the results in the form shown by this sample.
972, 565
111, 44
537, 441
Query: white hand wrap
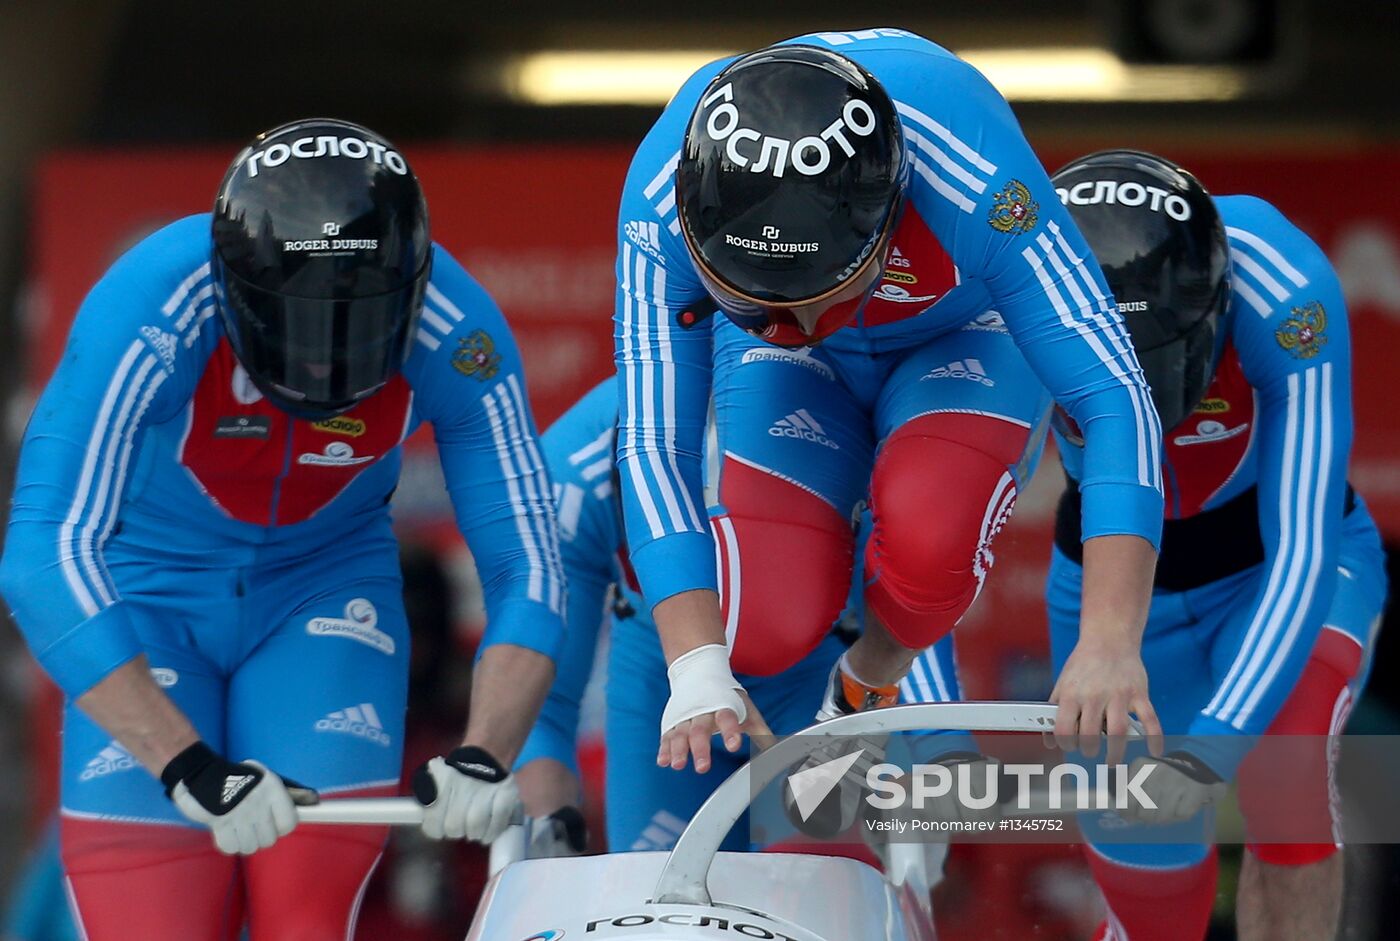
701, 683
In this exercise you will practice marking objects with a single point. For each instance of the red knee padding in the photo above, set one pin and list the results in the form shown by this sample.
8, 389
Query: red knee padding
1302, 800
1155, 904
150, 881
940, 493
785, 559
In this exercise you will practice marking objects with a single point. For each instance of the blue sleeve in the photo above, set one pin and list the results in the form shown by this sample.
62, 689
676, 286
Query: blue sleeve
135, 351
663, 371
579, 451
468, 382
1289, 325
983, 192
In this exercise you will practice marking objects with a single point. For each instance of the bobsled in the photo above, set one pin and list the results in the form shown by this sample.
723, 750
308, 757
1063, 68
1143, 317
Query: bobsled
697, 893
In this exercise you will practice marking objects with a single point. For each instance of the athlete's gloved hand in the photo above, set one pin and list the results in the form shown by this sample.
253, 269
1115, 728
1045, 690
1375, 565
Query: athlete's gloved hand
981, 773
705, 699
562, 833
466, 794
1180, 784
247, 806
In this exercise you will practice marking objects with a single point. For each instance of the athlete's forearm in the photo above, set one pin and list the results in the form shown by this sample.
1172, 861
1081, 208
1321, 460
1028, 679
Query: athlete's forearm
688, 620
509, 684
1117, 591
546, 785
138, 714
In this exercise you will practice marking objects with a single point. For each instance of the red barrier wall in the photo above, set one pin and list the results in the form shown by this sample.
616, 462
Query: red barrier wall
536, 226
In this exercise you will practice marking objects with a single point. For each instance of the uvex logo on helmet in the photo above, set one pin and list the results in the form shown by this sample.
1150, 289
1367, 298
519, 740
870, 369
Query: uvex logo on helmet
810, 155
326, 145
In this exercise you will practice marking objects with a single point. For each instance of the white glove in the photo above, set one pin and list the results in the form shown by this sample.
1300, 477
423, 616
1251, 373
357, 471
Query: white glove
562, 833
950, 807
702, 683
466, 795
247, 807
1179, 784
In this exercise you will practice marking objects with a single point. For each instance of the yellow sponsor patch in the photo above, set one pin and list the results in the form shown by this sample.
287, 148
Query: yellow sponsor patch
1212, 407
340, 425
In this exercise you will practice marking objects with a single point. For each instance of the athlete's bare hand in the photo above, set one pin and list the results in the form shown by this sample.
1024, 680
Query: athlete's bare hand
693, 736
1098, 687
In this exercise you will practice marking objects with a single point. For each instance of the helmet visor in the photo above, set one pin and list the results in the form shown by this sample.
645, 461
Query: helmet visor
320, 355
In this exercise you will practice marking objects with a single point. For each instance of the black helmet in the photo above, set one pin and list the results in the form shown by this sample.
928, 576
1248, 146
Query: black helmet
789, 188
1158, 237
321, 256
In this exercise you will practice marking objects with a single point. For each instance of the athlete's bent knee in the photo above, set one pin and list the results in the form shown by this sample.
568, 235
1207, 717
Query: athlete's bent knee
785, 565
941, 491
1300, 804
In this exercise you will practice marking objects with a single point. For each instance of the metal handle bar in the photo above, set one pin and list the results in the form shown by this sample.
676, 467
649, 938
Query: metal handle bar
684, 879
367, 811
374, 812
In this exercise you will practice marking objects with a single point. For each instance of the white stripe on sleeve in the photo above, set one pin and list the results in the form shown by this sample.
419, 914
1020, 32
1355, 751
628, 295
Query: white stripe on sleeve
1313, 501
632, 375
505, 455
1146, 474
537, 487
68, 553
1292, 580
1269, 252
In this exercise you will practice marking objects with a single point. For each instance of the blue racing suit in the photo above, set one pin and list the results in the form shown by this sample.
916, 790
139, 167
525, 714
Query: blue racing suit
989, 298
164, 507
1268, 557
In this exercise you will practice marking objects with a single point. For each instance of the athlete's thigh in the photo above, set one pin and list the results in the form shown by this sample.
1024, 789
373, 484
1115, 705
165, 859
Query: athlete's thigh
789, 414
789, 700
975, 371
322, 699
648, 806
792, 461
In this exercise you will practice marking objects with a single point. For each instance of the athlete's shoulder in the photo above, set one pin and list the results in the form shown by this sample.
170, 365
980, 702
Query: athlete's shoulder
1286, 301
168, 266
854, 43
648, 211
460, 324
967, 154
161, 291
915, 70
